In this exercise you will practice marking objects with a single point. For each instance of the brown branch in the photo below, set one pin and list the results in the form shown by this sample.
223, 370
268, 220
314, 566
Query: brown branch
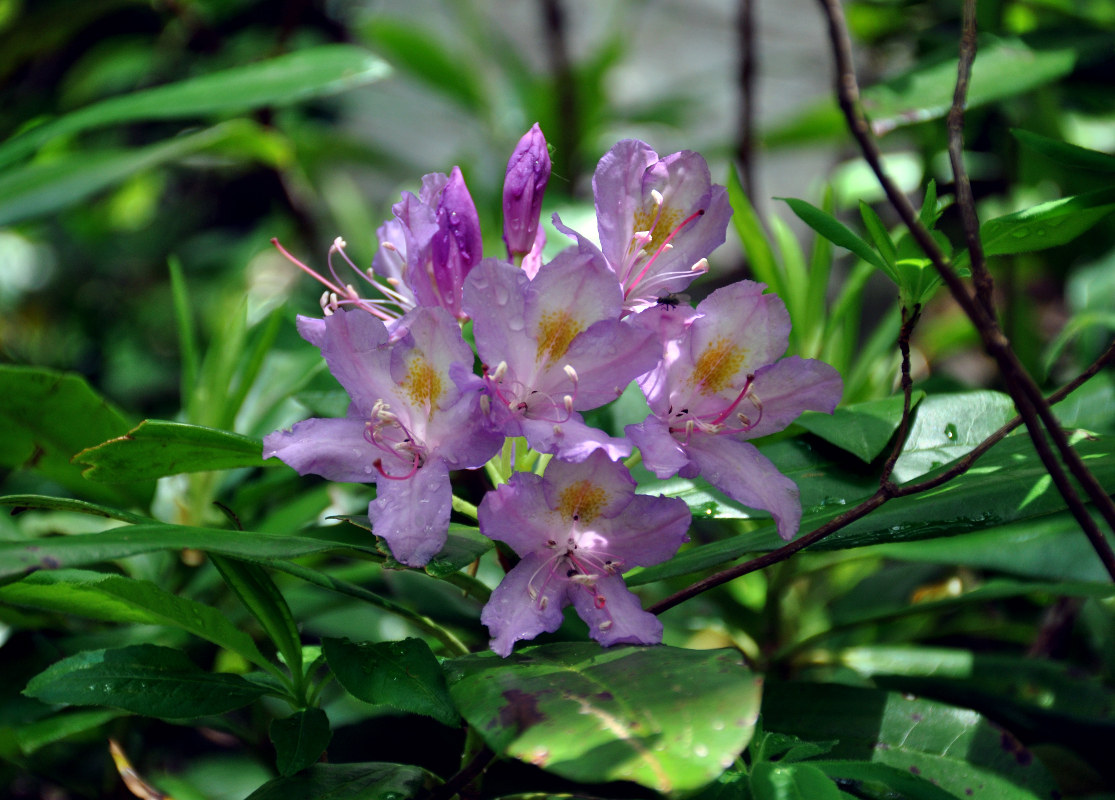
745, 152
884, 493
1032, 407
965, 201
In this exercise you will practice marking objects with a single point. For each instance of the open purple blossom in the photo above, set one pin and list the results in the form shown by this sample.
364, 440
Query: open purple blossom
721, 383
576, 529
552, 347
658, 219
407, 426
528, 172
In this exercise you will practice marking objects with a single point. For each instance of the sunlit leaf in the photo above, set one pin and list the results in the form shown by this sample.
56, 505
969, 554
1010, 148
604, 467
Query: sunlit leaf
862, 429
666, 718
948, 426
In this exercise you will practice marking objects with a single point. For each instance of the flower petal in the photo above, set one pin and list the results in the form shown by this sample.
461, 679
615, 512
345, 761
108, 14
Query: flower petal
513, 614
518, 514
613, 614
413, 514
332, 448
747, 476
789, 387
662, 453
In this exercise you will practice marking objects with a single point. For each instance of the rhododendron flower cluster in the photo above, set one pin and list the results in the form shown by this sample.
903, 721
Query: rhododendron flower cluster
554, 340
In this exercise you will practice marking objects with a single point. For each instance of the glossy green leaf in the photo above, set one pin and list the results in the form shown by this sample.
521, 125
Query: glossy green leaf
367, 781
1046, 225
879, 233
666, 718
862, 429
1009, 484
955, 748
948, 426
1029, 689
114, 598
1064, 153
40, 188
21, 557
1003, 68
404, 675
154, 449
771, 781
144, 679
836, 232
1051, 548
284, 80
299, 739
47, 417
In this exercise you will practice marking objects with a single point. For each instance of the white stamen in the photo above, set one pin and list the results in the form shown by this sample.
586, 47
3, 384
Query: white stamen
701, 266
485, 404
657, 195
500, 371
568, 402
605, 625
572, 373
388, 246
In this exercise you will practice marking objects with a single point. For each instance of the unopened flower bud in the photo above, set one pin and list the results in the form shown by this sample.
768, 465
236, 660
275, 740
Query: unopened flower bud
528, 172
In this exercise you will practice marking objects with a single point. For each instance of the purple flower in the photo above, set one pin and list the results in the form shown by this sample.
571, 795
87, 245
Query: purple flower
433, 242
552, 347
576, 528
720, 384
407, 426
657, 218
528, 172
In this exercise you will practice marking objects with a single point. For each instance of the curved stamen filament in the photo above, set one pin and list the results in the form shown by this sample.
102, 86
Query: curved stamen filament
664, 246
378, 464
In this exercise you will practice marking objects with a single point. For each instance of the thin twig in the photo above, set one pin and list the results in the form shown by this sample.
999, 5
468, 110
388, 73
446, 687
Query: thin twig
981, 277
1028, 400
885, 492
909, 320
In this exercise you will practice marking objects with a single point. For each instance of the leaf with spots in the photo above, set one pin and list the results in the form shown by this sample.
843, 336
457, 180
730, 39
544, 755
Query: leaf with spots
667, 718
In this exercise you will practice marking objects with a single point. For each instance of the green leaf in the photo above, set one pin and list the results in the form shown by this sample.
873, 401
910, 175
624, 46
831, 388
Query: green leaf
284, 80
155, 449
1009, 484
948, 426
879, 233
1030, 693
41, 188
404, 675
25, 502
143, 679
771, 781
756, 246
666, 718
20, 557
262, 598
837, 232
299, 740
862, 429
1070, 155
47, 417
33, 736
1049, 548
368, 781
903, 783
417, 50
1003, 68
114, 598
955, 748
1046, 225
